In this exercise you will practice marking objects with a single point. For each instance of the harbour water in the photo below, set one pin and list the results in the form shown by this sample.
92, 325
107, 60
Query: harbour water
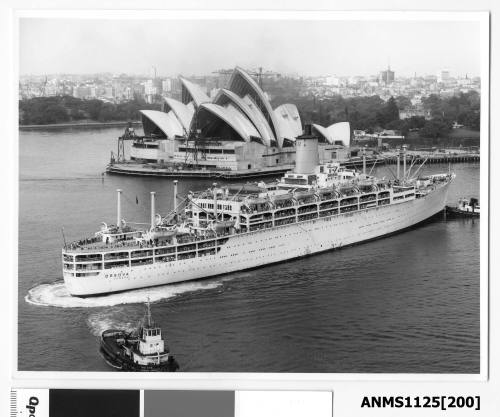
408, 303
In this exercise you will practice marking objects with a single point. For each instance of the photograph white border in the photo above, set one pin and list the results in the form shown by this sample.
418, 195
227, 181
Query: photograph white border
197, 380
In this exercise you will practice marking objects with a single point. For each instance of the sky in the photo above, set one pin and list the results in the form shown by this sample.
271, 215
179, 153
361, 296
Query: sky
196, 47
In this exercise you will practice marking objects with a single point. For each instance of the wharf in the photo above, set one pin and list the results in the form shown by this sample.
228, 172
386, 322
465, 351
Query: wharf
159, 170
156, 170
417, 157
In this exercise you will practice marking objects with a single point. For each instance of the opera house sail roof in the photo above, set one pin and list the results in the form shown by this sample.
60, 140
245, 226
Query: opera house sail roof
338, 132
210, 116
227, 98
288, 119
161, 124
240, 112
192, 92
244, 85
184, 113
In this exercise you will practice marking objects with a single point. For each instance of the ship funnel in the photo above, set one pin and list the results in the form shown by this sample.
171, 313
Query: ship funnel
175, 195
153, 210
306, 152
118, 207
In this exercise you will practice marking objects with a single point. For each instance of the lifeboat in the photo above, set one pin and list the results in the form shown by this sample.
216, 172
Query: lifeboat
347, 191
161, 232
327, 193
246, 188
302, 195
220, 226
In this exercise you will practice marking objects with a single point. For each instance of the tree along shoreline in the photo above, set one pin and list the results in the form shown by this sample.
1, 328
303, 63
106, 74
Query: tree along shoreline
370, 114
117, 123
56, 110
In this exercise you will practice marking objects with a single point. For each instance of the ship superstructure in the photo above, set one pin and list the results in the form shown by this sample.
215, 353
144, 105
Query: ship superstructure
141, 350
315, 208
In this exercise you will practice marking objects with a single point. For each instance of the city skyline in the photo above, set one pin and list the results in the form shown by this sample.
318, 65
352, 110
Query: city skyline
91, 46
376, 75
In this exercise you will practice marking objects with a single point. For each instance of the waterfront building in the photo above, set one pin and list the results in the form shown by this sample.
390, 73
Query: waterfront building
414, 111
235, 128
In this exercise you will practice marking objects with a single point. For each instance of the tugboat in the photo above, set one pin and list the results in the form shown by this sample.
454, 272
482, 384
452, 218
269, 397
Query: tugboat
142, 350
468, 208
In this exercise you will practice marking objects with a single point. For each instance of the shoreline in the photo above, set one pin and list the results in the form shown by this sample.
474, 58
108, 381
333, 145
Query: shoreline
75, 124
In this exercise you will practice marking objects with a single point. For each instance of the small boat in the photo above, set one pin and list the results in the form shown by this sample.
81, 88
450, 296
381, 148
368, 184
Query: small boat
142, 350
469, 208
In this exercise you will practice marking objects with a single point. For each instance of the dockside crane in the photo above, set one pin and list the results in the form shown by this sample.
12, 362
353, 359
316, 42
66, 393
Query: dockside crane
43, 86
225, 72
259, 73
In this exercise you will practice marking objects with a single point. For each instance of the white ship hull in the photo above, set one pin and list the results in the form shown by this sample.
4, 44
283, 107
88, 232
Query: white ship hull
267, 246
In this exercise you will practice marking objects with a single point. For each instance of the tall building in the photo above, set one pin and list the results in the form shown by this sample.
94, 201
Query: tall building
386, 77
443, 75
81, 92
128, 93
149, 88
158, 85
109, 92
167, 85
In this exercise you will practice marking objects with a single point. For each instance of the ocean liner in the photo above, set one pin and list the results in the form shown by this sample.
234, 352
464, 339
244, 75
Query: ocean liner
314, 208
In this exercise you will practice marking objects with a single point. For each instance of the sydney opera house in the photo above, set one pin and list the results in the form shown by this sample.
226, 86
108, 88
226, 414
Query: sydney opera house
236, 129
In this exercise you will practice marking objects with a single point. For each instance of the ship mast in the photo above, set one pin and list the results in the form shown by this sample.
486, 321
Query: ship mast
397, 166
364, 161
153, 212
118, 208
148, 314
215, 200
175, 197
404, 163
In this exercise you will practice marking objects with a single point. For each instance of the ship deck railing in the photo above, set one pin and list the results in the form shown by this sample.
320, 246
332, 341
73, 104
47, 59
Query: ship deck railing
100, 246
129, 245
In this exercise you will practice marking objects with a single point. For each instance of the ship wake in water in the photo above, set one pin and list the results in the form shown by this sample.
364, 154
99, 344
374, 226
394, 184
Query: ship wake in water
56, 295
103, 320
